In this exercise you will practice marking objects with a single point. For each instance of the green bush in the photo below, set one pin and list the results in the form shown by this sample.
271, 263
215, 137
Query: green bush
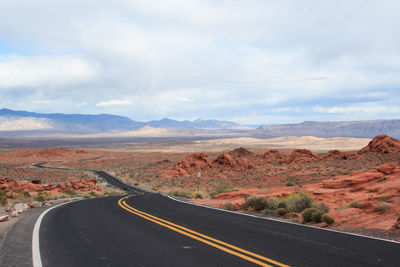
180, 193
281, 211
356, 204
328, 219
297, 201
289, 184
271, 203
307, 214
3, 197
322, 207
70, 192
386, 199
42, 196
317, 216
281, 204
228, 206
254, 203
194, 194
93, 194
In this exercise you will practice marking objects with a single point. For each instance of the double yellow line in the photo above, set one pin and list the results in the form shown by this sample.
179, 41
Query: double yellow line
231, 249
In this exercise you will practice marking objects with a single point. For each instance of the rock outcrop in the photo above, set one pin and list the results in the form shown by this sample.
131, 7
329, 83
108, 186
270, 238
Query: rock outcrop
382, 144
333, 155
300, 156
190, 165
274, 156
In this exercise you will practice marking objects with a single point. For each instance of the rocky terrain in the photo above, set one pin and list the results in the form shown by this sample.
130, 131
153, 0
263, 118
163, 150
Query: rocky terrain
360, 187
365, 199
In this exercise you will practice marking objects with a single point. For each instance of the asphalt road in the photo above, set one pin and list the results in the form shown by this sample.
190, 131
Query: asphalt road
148, 229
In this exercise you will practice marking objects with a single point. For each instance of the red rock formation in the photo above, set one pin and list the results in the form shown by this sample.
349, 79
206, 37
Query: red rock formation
300, 156
190, 165
225, 159
353, 181
274, 156
382, 144
387, 169
333, 155
240, 152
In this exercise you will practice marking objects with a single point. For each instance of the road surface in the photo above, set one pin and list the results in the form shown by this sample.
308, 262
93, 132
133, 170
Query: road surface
149, 229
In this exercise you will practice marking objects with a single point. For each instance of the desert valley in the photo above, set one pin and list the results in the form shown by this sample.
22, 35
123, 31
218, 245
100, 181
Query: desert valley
355, 189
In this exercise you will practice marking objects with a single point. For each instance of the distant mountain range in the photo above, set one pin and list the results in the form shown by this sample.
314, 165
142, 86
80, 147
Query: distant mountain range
364, 129
11, 120
22, 122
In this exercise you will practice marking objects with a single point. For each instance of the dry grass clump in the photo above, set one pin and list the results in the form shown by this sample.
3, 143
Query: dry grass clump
222, 187
185, 193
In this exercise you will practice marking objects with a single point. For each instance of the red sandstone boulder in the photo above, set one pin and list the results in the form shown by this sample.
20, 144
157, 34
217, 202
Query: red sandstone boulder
382, 144
338, 155
387, 168
190, 165
300, 156
274, 156
225, 159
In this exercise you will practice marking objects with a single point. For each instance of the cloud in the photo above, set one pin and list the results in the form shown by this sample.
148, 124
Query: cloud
113, 102
45, 71
355, 109
245, 60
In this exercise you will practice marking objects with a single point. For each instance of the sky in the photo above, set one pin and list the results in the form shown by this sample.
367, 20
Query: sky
248, 61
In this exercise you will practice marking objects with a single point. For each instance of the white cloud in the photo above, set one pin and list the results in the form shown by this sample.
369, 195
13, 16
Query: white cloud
113, 102
225, 59
355, 109
184, 99
45, 71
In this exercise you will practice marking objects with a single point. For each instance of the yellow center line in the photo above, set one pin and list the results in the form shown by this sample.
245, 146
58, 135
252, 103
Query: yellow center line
199, 236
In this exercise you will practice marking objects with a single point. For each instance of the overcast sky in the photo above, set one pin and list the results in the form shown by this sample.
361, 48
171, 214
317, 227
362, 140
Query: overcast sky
253, 62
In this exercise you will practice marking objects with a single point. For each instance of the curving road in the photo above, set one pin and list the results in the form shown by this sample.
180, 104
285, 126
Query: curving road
149, 229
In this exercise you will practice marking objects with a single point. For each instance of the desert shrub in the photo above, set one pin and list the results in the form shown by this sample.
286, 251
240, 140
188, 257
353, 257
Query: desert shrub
228, 206
356, 204
316, 216
322, 207
180, 193
289, 184
136, 184
70, 192
222, 187
3, 197
93, 194
254, 203
113, 192
42, 196
328, 219
281, 211
386, 199
271, 203
381, 206
281, 204
298, 201
194, 194
307, 214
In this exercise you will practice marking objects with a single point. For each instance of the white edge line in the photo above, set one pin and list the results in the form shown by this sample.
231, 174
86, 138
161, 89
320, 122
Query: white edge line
282, 221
